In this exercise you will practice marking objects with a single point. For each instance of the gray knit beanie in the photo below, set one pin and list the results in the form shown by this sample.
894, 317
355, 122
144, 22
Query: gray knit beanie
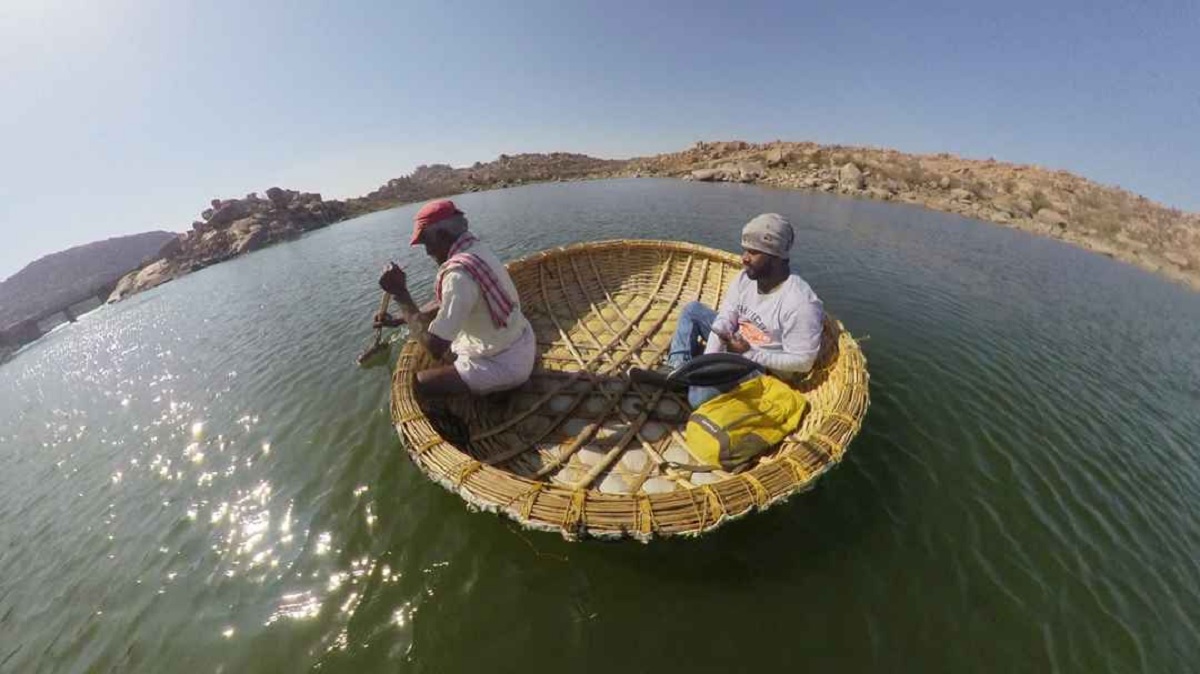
769, 233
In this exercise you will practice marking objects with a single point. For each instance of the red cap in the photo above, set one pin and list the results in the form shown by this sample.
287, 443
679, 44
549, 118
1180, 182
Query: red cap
430, 213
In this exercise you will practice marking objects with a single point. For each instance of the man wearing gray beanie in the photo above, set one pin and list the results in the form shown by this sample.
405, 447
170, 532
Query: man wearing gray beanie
769, 314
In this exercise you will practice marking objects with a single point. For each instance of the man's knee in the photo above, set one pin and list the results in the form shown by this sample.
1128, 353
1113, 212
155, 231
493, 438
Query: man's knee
439, 381
422, 388
694, 309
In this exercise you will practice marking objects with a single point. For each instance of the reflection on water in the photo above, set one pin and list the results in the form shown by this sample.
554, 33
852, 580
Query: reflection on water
200, 479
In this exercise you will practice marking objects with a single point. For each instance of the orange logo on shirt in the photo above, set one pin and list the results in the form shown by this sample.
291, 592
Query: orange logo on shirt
752, 334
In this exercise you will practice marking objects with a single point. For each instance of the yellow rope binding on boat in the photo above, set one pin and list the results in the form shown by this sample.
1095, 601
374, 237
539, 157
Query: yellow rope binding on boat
758, 493
530, 497
428, 445
714, 502
800, 472
464, 470
574, 519
645, 516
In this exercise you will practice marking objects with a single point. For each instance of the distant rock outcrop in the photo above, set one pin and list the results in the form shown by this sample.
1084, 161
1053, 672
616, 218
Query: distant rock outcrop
58, 286
1108, 220
231, 227
439, 180
850, 178
55, 282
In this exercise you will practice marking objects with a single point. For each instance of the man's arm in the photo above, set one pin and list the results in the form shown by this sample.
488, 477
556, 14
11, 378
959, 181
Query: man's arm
385, 320
725, 324
395, 282
418, 325
800, 341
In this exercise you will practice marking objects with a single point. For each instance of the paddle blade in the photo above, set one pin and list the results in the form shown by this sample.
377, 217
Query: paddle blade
374, 355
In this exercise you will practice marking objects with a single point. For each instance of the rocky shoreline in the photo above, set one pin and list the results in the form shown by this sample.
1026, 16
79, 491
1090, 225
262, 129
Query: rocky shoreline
1108, 220
1057, 204
231, 227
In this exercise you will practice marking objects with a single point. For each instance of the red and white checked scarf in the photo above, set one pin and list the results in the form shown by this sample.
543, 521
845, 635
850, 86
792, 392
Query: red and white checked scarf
499, 304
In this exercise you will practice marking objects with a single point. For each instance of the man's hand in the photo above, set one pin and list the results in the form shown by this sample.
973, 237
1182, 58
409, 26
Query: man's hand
393, 280
385, 320
734, 343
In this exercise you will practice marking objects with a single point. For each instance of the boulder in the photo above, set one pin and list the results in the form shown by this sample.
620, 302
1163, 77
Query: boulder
1131, 243
1024, 188
960, 194
850, 177
153, 274
279, 197
172, 247
728, 147
944, 183
229, 212
253, 239
776, 157
748, 171
1004, 204
708, 175
1177, 259
1051, 217
998, 216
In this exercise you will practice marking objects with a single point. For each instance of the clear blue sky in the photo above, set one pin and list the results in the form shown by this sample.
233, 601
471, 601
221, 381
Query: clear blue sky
128, 115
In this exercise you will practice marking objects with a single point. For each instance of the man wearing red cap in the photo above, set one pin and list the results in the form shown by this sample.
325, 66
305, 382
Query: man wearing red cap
476, 319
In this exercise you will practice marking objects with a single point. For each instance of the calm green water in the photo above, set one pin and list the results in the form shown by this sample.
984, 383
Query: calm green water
200, 479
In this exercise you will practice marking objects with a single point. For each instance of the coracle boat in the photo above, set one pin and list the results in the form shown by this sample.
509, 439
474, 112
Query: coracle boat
582, 450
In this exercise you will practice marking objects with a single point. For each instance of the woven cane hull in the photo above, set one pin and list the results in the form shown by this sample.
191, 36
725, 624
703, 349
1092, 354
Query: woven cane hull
581, 450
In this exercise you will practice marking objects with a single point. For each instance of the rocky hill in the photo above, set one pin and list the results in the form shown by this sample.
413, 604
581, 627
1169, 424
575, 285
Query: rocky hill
64, 278
235, 226
1058, 204
231, 227
1109, 220
439, 180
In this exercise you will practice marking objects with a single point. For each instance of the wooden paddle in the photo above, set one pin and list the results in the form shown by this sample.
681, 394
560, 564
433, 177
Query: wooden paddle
378, 346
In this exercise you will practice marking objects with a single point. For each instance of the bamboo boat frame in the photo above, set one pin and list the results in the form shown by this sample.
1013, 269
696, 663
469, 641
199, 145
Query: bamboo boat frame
583, 451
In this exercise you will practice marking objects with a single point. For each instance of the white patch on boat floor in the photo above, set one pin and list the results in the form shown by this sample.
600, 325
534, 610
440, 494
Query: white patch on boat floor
678, 454
595, 406
631, 406
573, 426
653, 431
560, 403
589, 456
658, 485
668, 408
569, 475
635, 459
613, 484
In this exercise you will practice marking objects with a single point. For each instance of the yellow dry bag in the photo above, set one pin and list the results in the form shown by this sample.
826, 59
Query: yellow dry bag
738, 425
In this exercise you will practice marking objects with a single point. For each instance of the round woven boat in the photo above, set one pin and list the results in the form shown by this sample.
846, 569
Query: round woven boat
582, 450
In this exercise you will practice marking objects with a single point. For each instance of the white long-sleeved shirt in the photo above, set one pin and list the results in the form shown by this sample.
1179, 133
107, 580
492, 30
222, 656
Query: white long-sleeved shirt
783, 327
463, 318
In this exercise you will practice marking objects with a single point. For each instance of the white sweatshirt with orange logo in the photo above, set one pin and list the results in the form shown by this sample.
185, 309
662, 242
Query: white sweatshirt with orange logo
783, 327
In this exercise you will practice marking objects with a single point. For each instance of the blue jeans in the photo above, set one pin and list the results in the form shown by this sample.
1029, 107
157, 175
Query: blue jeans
691, 334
